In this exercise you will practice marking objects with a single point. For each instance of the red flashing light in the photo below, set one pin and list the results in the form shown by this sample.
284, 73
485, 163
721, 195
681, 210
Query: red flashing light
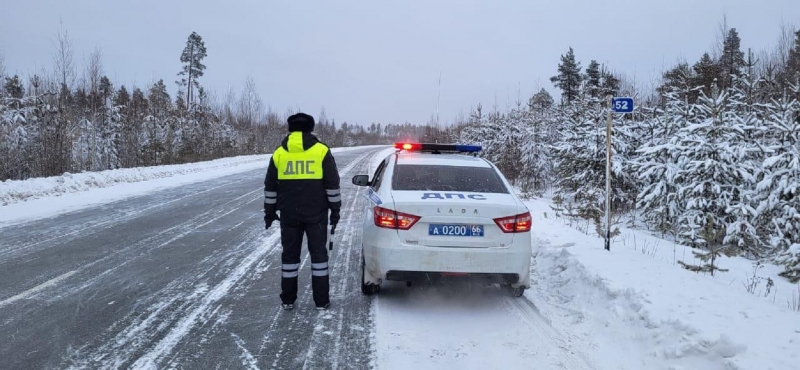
408, 146
515, 224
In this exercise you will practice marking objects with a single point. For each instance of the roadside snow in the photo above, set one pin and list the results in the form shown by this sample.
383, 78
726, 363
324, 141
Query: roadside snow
378, 158
644, 311
35, 198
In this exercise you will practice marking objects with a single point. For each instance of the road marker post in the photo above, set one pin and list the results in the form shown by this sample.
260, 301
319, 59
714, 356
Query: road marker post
619, 105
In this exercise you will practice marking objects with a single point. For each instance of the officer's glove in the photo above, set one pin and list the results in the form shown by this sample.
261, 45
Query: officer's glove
269, 219
335, 217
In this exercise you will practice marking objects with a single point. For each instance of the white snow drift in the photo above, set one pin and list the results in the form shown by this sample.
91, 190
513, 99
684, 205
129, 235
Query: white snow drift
24, 200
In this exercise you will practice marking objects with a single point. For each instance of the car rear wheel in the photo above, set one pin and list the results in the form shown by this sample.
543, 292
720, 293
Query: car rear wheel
368, 289
518, 291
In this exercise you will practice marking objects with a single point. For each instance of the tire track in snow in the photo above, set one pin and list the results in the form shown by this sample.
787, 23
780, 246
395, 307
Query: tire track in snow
182, 328
247, 358
178, 296
342, 262
8, 251
47, 284
183, 230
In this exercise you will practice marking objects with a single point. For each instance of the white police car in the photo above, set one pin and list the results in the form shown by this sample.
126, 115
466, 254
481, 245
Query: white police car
434, 212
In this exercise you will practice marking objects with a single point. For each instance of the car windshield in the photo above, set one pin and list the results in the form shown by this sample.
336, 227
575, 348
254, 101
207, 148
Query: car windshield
447, 178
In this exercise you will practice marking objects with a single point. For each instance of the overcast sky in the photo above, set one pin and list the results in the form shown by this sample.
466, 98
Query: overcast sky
368, 61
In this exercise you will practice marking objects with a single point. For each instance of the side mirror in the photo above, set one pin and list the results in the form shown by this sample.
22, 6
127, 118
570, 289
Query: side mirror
361, 180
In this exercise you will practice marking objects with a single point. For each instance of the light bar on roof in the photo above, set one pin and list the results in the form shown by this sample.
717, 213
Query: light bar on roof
428, 147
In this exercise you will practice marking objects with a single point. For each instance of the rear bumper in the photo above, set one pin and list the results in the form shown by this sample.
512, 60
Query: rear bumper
403, 261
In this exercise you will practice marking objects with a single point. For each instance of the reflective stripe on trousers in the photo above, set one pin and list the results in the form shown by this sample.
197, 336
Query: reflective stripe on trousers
290, 270
319, 269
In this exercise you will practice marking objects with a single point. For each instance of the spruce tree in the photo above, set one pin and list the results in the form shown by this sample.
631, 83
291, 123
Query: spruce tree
680, 80
138, 105
660, 160
122, 98
707, 72
741, 233
778, 193
569, 77
731, 62
610, 84
580, 160
712, 178
791, 72
14, 87
593, 78
541, 101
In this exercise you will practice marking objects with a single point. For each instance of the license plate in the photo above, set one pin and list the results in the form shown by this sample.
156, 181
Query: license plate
455, 230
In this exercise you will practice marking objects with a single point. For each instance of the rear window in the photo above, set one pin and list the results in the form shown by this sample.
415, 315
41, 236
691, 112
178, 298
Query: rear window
447, 178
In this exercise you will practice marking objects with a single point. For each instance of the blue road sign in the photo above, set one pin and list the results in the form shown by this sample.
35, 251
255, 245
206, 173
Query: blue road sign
622, 105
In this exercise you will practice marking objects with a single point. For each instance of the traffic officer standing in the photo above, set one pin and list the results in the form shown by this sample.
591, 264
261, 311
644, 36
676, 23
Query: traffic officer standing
302, 183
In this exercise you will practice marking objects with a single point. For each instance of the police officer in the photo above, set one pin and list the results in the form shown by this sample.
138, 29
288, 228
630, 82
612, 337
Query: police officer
302, 184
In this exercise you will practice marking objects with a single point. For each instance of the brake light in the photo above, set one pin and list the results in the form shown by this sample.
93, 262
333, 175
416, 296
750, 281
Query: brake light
390, 219
515, 224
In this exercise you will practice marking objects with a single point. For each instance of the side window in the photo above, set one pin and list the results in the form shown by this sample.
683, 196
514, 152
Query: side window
378, 177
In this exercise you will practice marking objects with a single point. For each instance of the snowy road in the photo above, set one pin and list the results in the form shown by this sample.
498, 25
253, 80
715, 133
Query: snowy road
188, 278
182, 278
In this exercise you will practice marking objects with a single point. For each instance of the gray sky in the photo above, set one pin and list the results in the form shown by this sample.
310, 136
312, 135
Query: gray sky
380, 61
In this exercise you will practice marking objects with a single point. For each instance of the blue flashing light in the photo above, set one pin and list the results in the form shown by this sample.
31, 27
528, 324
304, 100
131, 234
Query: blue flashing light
468, 148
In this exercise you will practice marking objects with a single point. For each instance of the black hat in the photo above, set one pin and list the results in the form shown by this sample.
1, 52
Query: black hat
301, 122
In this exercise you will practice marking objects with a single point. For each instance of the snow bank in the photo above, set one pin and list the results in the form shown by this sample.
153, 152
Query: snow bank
630, 300
34, 198
14, 191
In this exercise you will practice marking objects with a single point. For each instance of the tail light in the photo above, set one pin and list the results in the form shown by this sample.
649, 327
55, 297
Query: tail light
389, 219
515, 224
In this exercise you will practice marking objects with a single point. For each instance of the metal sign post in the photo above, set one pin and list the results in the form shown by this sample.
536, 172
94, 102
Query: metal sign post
621, 106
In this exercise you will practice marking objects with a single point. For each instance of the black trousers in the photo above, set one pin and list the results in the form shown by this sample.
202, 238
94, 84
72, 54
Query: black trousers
316, 231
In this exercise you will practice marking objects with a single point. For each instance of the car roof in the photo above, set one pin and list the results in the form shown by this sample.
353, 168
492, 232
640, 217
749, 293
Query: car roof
461, 160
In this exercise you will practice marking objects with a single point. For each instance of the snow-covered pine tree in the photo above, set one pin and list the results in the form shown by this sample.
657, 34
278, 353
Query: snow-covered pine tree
108, 127
778, 193
16, 115
83, 147
712, 177
742, 232
536, 159
508, 144
580, 160
659, 160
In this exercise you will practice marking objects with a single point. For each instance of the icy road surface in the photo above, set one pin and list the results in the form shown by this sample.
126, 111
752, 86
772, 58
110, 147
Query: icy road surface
188, 278
183, 278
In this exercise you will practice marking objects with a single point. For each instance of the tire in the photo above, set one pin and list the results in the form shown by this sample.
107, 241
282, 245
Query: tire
518, 292
367, 289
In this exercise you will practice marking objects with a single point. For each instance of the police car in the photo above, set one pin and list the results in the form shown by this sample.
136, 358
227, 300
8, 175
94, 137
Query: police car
438, 210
